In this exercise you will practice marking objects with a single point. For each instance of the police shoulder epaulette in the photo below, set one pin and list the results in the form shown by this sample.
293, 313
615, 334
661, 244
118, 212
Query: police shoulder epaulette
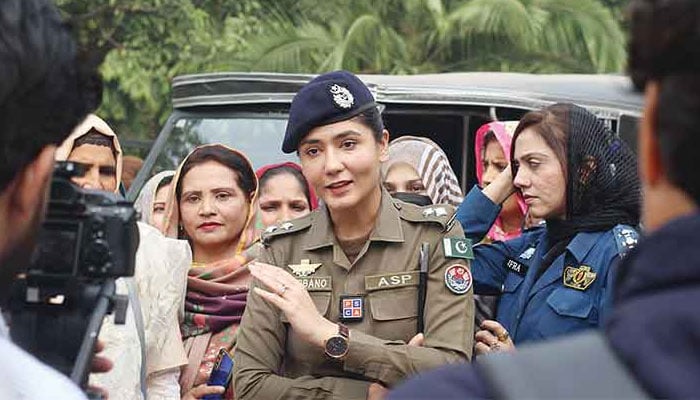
441, 214
626, 238
285, 228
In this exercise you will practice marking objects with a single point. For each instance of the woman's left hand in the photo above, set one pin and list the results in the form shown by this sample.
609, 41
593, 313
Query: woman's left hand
289, 295
493, 337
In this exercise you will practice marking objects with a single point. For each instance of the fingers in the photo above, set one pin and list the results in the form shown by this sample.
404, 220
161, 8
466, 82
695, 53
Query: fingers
272, 298
273, 278
492, 326
486, 337
417, 340
99, 346
481, 349
101, 364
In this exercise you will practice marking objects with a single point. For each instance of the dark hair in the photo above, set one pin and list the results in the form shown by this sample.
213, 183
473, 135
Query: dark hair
245, 175
372, 119
164, 182
664, 47
44, 91
552, 124
489, 137
286, 169
96, 138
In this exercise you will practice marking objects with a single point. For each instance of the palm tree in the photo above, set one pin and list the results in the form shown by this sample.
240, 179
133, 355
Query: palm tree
412, 36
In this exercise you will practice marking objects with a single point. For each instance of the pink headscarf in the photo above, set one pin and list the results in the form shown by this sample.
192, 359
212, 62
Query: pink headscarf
312, 194
504, 134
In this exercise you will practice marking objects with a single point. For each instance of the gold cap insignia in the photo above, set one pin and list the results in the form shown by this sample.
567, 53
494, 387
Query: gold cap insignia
304, 268
579, 278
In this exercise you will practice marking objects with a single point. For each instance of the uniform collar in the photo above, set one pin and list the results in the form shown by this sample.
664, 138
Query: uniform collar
387, 228
581, 244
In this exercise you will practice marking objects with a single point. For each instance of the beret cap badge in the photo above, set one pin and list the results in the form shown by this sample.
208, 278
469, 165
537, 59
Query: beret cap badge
341, 96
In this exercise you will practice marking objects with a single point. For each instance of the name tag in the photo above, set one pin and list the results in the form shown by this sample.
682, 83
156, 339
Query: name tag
317, 283
388, 281
515, 266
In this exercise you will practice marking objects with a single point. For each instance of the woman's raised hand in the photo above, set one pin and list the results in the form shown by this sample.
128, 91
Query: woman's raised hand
288, 294
501, 188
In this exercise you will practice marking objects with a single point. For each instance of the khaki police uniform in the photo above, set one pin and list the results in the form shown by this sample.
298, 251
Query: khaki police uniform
272, 362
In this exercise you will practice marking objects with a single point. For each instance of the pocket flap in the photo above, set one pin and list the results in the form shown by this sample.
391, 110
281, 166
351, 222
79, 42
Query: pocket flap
571, 303
393, 304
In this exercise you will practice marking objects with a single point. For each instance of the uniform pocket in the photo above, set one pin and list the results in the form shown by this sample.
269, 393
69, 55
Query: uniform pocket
571, 303
393, 304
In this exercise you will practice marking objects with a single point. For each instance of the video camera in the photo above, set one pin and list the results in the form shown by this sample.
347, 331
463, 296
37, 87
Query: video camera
88, 240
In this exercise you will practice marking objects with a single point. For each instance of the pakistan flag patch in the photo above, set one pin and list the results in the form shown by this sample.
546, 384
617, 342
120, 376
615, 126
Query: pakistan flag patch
457, 248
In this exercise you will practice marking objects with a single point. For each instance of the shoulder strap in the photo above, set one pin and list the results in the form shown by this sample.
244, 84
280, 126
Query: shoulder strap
140, 328
580, 366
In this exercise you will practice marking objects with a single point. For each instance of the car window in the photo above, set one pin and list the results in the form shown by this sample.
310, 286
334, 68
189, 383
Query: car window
260, 138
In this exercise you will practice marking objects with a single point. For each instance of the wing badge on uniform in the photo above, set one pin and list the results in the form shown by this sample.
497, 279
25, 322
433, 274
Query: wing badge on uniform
304, 268
579, 278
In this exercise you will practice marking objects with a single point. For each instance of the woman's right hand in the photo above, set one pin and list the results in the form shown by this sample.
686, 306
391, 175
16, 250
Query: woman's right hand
500, 188
198, 392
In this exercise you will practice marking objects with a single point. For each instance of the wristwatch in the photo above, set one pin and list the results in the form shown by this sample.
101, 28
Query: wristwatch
337, 345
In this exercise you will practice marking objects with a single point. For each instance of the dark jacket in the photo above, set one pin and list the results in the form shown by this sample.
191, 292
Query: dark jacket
654, 327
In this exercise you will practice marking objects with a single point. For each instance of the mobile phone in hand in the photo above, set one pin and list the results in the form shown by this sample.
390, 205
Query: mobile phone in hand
220, 374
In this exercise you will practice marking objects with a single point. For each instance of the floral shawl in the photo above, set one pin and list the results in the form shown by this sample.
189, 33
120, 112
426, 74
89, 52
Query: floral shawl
216, 293
432, 165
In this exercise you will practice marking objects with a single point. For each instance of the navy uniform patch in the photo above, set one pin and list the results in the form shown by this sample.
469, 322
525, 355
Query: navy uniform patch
527, 254
579, 278
458, 279
626, 239
351, 308
515, 266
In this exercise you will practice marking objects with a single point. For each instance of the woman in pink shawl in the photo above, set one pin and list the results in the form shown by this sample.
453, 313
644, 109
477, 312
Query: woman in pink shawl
285, 193
492, 149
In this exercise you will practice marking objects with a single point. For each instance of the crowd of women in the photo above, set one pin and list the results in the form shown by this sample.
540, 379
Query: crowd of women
365, 264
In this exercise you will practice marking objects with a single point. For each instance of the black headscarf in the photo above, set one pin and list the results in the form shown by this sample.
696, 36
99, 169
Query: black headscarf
602, 184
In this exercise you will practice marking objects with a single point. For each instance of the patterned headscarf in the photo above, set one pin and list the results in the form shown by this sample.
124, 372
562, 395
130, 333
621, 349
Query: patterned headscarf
432, 165
503, 131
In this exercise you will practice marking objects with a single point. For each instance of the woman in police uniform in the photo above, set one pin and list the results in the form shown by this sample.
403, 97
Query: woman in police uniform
575, 173
337, 306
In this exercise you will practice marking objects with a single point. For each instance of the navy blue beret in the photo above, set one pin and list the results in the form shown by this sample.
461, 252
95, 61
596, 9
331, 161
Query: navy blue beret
328, 98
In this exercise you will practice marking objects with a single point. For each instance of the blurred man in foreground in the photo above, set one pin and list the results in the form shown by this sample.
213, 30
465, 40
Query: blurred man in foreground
44, 93
649, 346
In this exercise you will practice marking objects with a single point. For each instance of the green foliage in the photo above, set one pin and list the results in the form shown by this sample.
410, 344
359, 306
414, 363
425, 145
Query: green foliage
143, 44
412, 36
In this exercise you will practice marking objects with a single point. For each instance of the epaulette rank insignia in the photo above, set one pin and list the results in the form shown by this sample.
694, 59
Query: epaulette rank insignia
273, 231
626, 239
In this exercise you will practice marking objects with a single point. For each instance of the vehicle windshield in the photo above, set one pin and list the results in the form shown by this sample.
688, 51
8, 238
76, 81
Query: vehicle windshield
258, 137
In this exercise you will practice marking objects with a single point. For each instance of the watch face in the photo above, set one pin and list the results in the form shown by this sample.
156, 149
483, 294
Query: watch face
336, 346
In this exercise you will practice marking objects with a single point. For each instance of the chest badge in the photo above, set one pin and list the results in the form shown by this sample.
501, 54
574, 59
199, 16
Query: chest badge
458, 279
304, 268
579, 278
351, 308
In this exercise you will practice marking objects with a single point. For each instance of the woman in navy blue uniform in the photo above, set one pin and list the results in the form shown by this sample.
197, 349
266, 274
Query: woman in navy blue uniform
555, 279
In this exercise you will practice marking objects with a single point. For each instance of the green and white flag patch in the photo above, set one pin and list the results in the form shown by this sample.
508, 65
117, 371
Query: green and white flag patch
457, 248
